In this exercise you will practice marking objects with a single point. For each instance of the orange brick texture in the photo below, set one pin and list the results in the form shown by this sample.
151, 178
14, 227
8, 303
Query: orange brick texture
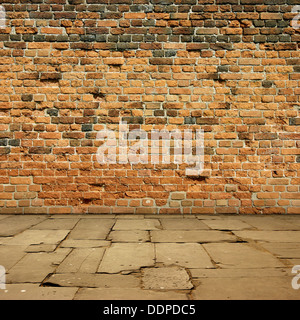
70, 68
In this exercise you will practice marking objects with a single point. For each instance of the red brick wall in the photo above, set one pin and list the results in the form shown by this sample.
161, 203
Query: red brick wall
69, 69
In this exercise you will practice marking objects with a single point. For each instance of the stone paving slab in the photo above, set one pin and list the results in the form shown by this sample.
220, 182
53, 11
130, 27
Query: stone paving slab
127, 257
93, 280
227, 224
167, 216
240, 273
10, 255
129, 236
188, 255
40, 248
183, 224
30, 237
251, 288
34, 267
272, 223
294, 262
132, 216
91, 229
34, 292
210, 217
81, 243
141, 224
127, 294
201, 236
84, 260
56, 224
16, 224
269, 236
4, 239
283, 250
240, 255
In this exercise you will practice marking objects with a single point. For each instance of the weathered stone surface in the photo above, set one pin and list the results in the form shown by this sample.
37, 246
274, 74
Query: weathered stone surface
91, 229
29, 237
132, 216
283, 250
10, 255
51, 257
35, 292
226, 224
182, 224
93, 280
292, 262
129, 236
16, 224
250, 288
169, 278
167, 216
273, 223
240, 255
82, 260
41, 248
4, 239
189, 255
70, 243
133, 224
201, 236
208, 217
269, 236
240, 273
127, 256
34, 267
126, 294
56, 224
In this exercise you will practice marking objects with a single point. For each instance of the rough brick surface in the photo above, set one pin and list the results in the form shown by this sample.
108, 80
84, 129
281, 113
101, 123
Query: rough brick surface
69, 69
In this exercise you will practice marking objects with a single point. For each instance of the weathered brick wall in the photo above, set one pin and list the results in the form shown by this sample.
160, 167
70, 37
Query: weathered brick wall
70, 68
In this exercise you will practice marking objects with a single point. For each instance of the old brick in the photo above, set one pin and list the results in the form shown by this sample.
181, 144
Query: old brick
161, 61
70, 69
265, 136
114, 61
295, 121
39, 150
51, 76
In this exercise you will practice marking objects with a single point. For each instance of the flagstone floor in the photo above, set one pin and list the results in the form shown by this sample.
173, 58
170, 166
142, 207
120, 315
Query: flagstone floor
78, 257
